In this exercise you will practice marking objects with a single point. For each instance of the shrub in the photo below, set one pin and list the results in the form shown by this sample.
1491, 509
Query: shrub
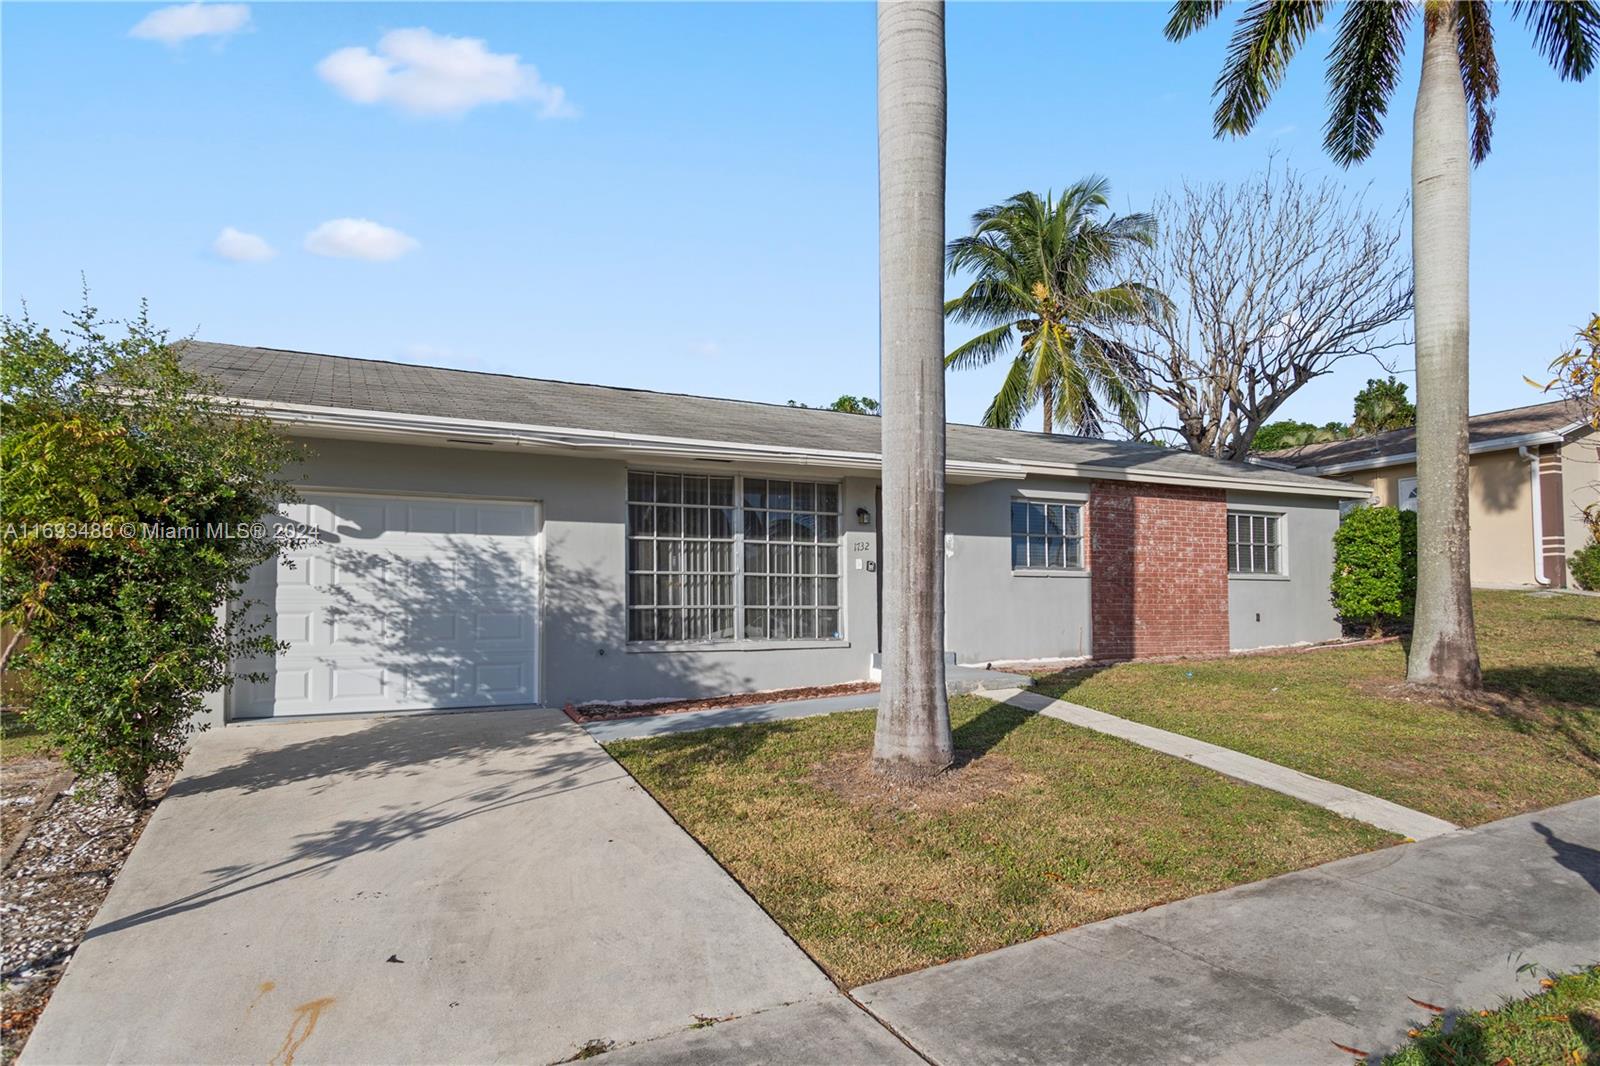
1585, 566
130, 508
1375, 566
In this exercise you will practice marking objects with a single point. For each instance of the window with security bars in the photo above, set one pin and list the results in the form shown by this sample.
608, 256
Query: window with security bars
709, 559
682, 535
1253, 546
791, 560
1046, 536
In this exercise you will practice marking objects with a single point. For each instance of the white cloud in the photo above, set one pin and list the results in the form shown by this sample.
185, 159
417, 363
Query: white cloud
242, 247
176, 24
358, 238
427, 73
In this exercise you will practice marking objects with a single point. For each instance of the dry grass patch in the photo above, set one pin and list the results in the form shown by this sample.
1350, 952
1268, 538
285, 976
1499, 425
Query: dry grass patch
1531, 740
975, 776
1046, 826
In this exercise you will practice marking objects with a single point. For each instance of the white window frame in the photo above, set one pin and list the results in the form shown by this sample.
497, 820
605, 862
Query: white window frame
1281, 524
1404, 493
1076, 503
741, 642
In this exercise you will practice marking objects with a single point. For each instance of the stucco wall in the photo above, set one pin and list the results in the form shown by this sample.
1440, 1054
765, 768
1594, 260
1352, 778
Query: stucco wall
1271, 611
584, 652
1499, 509
1580, 474
992, 613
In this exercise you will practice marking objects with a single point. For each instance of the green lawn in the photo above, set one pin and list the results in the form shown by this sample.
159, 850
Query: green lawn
1048, 826
1533, 739
1557, 1027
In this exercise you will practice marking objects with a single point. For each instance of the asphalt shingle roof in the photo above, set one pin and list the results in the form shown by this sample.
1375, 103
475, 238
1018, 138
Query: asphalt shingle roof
273, 375
1492, 425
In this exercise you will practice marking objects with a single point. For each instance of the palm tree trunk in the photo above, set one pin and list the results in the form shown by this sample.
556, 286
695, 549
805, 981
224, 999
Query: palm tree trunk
913, 729
1047, 400
1444, 646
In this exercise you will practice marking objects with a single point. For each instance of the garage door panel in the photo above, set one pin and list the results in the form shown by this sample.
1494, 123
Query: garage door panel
406, 604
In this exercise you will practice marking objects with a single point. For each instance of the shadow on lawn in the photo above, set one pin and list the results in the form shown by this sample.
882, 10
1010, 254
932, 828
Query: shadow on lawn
1548, 700
677, 755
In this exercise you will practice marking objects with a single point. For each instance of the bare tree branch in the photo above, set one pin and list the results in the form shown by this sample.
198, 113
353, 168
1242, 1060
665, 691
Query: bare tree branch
1269, 283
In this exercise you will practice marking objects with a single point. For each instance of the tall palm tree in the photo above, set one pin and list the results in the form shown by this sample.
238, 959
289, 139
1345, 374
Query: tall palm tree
1459, 81
913, 730
1043, 288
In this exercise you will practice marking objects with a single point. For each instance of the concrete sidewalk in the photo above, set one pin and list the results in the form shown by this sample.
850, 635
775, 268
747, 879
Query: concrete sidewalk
1277, 971
1339, 799
480, 887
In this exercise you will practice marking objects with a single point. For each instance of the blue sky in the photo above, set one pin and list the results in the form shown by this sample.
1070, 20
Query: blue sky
683, 196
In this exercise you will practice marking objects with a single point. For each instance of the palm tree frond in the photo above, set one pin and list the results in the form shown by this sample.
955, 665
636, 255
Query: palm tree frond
1258, 56
1015, 398
980, 350
1363, 68
1188, 16
1480, 75
1567, 33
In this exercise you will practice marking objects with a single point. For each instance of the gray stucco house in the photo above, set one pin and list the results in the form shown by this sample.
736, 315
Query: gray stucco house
483, 539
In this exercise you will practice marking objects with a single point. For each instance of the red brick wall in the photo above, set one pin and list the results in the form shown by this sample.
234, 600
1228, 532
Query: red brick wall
1159, 583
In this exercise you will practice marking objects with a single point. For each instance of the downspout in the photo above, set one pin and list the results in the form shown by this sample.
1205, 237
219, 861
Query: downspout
1532, 459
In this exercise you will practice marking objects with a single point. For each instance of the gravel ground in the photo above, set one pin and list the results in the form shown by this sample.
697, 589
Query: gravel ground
23, 783
49, 894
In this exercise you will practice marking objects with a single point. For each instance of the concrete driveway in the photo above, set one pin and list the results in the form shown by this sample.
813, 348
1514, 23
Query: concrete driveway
478, 887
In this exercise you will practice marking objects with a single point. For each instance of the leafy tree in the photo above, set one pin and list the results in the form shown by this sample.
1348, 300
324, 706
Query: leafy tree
1460, 78
1291, 434
850, 405
1045, 289
131, 513
1382, 406
912, 739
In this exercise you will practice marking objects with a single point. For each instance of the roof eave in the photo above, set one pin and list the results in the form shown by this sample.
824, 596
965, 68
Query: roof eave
392, 425
1494, 444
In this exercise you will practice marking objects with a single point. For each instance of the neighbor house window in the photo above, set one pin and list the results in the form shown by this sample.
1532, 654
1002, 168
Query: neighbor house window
680, 557
719, 558
791, 559
1046, 536
1253, 544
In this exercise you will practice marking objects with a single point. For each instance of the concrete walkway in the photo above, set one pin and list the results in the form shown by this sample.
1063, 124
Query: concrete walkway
1409, 823
1277, 971
480, 887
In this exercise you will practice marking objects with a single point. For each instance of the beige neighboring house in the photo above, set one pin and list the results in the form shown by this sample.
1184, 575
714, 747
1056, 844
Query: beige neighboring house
1533, 471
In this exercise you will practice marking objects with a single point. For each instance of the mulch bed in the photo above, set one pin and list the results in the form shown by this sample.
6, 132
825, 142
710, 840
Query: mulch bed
50, 891
605, 712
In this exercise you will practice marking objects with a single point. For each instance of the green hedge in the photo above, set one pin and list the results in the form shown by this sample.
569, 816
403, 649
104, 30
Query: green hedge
1375, 566
1585, 566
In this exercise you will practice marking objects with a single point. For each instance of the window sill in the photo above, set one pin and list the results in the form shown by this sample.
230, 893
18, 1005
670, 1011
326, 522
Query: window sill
651, 647
1258, 577
1033, 572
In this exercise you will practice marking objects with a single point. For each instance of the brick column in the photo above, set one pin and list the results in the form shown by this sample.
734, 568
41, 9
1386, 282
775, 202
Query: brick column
1159, 583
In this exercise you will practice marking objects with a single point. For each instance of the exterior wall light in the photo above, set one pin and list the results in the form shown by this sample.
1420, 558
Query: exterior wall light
863, 516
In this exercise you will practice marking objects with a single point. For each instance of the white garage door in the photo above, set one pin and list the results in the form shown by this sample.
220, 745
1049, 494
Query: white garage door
400, 603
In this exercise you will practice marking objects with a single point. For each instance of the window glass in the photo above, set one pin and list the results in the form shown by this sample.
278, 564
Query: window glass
719, 558
1253, 544
1046, 536
680, 557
